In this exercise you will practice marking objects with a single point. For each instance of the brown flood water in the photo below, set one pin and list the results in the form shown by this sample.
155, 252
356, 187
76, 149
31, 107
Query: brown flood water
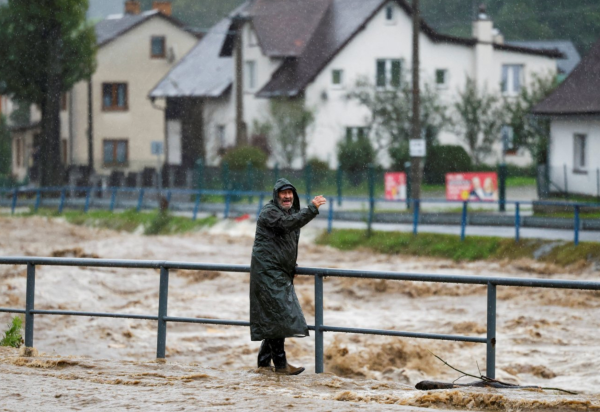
545, 337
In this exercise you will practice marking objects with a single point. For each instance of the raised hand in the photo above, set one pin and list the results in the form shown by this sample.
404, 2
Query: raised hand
318, 201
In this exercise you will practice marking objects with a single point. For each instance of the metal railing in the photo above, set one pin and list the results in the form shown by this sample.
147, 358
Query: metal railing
319, 327
112, 198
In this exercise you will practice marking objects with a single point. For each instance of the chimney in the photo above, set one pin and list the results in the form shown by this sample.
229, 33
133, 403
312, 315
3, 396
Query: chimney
133, 7
482, 26
498, 36
163, 7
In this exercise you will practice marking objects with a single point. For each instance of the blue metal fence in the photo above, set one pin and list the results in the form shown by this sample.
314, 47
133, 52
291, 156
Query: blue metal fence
319, 274
191, 200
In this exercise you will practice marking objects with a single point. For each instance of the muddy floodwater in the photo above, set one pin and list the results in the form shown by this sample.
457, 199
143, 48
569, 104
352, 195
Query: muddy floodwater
545, 337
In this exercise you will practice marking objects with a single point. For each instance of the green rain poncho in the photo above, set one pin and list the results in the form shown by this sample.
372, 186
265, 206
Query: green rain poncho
274, 308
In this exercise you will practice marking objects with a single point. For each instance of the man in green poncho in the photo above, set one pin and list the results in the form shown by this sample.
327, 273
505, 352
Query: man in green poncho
275, 312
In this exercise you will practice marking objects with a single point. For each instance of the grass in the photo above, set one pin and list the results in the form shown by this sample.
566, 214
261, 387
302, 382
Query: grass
450, 247
13, 336
520, 181
130, 220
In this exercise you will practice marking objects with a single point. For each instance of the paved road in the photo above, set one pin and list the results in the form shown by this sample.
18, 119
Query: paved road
534, 233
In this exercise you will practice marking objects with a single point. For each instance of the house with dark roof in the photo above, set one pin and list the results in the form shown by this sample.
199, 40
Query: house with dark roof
565, 64
574, 113
316, 50
108, 124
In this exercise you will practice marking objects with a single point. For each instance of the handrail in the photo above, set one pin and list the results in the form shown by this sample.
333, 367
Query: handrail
319, 273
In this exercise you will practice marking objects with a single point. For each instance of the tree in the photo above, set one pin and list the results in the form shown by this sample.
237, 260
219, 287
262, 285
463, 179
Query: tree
287, 129
528, 131
45, 48
478, 118
390, 122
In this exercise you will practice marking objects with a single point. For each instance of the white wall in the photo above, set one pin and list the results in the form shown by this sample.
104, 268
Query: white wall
562, 133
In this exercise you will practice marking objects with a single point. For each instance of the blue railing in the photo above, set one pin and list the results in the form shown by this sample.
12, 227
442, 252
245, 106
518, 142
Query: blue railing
162, 318
191, 200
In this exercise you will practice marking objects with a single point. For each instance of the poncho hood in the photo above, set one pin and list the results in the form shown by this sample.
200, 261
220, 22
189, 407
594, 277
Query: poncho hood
281, 182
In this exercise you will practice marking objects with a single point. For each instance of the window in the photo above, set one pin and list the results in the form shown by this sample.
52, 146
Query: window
388, 73
157, 47
579, 146
63, 102
508, 140
114, 96
354, 134
337, 77
441, 78
512, 77
116, 152
221, 136
250, 75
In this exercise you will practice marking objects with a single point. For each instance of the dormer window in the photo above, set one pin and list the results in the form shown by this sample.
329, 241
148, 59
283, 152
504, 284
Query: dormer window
157, 47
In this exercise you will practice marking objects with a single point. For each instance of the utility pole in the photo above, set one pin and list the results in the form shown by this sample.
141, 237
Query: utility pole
240, 125
416, 171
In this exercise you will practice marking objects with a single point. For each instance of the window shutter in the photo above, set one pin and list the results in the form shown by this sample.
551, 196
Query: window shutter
380, 73
395, 81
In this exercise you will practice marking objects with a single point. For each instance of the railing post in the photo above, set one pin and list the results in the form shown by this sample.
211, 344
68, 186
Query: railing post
140, 200
227, 205
88, 195
29, 305
163, 295
61, 205
168, 200
318, 323
113, 199
463, 222
38, 200
491, 331
261, 200
196, 206
566, 182
14, 201
416, 216
330, 216
517, 221
339, 185
576, 225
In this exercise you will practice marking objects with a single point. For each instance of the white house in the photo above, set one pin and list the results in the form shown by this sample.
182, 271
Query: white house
316, 50
109, 122
574, 147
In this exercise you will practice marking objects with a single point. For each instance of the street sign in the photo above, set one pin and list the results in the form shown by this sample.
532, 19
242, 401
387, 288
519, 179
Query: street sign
417, 147
157, 148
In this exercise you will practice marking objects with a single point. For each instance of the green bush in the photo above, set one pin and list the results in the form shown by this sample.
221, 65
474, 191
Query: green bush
354, 156
442, 159
13, 336
238, 158
319, 169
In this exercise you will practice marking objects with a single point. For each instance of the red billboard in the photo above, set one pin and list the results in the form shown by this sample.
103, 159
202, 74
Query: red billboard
395, 186
475, 186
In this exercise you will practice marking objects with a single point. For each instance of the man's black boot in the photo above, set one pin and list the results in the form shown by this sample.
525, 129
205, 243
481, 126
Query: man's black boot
264, 355
279, 359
